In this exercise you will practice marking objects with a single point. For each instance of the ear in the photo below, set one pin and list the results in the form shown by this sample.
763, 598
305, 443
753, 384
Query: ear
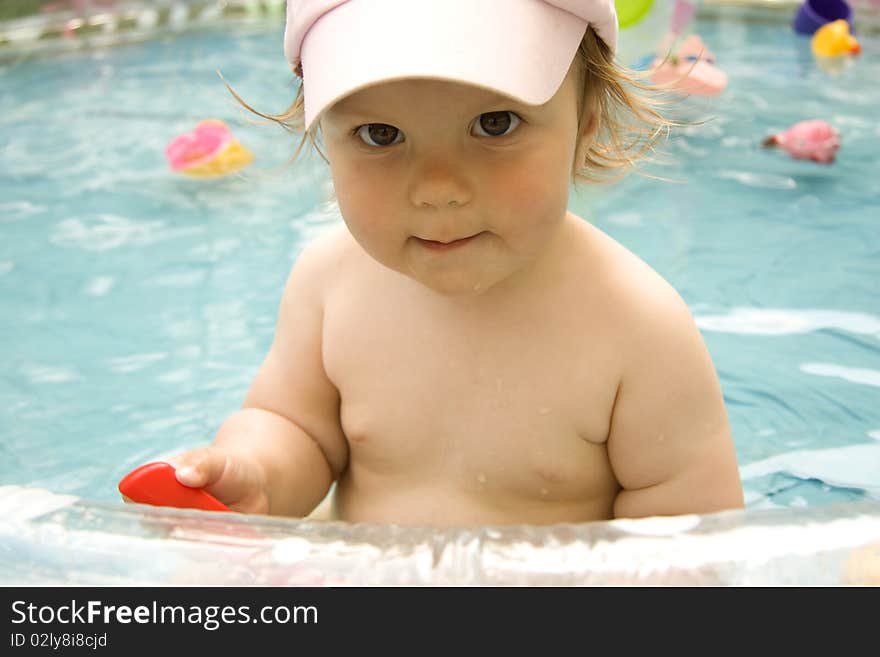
589, 128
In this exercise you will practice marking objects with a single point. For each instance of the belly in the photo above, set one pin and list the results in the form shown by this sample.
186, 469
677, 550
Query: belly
438, 504
471, 463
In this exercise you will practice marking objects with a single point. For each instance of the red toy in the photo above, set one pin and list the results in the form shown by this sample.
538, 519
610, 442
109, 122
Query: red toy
155, 483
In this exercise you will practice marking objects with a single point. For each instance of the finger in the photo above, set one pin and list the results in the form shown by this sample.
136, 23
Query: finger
199, 468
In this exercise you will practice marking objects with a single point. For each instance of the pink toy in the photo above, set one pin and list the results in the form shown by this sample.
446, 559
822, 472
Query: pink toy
682, 13
209, 150
691, 70
808, 140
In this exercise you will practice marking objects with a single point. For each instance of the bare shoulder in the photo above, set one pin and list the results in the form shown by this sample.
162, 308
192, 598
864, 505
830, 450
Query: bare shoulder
318, 263
670, 443
640, 300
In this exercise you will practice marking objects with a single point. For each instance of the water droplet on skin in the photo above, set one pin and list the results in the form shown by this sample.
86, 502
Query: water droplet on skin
481, 478
544, 492
543, 411
661, 437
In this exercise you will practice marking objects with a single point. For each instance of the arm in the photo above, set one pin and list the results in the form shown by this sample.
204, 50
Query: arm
670, 444
281, 452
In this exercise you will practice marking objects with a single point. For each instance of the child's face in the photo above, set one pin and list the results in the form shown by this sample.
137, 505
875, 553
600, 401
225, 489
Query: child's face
452, 185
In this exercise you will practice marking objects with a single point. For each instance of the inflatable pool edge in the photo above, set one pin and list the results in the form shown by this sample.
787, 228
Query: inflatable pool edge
51, 540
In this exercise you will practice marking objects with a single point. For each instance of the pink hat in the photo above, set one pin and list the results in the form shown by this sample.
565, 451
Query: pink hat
519, 48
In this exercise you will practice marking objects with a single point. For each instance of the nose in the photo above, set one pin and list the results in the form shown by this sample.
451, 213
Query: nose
439, 185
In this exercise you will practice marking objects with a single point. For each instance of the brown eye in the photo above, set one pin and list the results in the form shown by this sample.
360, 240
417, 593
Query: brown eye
496, 124
379, 134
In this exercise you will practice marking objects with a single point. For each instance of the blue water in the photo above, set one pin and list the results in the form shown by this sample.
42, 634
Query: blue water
136, 304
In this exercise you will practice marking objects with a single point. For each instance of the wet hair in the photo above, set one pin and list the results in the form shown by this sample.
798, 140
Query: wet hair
626, 108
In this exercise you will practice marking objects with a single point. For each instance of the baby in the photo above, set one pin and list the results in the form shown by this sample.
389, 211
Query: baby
464, 350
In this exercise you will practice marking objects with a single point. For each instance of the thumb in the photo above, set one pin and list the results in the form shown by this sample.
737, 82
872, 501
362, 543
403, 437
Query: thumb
200, 467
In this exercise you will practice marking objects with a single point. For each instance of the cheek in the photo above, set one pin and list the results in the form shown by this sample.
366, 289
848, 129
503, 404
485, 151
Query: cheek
535, 187
360, 197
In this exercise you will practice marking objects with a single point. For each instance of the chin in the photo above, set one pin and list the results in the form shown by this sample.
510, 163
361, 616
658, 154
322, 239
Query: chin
455, 285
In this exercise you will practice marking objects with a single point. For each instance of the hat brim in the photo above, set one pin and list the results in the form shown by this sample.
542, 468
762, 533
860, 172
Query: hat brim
358, 44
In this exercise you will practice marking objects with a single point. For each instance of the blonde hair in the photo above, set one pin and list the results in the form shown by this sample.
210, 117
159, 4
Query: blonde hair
626, 109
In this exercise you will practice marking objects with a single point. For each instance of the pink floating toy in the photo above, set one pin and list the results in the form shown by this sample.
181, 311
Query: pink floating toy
208, 151
808, 140
691, 70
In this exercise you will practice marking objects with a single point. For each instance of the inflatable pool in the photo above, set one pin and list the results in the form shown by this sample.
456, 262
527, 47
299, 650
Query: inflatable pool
801, 354
55, 539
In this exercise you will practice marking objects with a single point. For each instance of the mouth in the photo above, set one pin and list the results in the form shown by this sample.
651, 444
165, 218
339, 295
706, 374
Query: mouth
437, 245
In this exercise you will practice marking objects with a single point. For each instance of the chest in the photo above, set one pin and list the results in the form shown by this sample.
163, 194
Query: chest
520, 401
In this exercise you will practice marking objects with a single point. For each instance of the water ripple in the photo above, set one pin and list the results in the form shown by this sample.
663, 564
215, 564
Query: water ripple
779, 321
14, 210
852, 374
761, 180
107, 232
135, 362
37, 373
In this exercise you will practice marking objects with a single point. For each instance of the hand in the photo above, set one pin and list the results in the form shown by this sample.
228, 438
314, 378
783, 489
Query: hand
233, 477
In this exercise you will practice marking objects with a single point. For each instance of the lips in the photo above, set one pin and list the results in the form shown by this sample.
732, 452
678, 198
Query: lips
443, 245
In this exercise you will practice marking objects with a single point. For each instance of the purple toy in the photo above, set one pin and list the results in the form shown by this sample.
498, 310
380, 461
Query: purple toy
813, 14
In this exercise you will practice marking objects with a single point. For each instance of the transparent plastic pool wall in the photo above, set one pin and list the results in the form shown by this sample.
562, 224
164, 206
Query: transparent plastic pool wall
54, 539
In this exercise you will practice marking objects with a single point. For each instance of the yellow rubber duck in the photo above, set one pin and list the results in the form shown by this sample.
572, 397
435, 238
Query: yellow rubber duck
834, 40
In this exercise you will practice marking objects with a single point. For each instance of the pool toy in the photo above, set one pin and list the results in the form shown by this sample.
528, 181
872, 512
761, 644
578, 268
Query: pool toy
632, 12
813, 14
155, 484
682, 14
208, 151
691, 70
808, 140
834, 40
649, 29
642, 27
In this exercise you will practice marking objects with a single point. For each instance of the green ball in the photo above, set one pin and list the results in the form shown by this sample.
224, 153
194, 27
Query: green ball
630, 12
